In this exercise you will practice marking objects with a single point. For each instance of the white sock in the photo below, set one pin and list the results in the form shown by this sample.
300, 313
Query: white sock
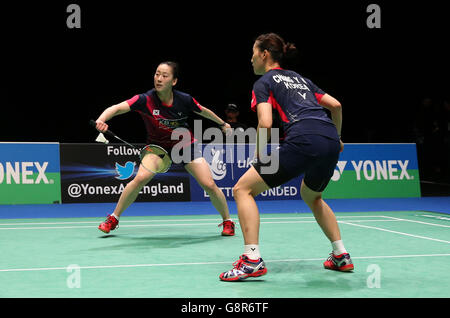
338, 247
252, 251
117, 217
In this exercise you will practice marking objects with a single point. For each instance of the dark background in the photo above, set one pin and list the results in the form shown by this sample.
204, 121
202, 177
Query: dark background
55, 79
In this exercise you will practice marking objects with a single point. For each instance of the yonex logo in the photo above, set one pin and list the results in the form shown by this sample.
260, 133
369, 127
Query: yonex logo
338, 173
385, 169
377, 169
22, 173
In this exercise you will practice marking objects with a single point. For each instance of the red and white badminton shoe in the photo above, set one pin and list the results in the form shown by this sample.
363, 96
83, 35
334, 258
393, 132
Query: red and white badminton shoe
228, 228
244, 268
341, 262
109, 224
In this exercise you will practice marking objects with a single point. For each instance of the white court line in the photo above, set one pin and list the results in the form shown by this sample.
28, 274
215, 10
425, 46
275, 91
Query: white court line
414, 221
439, 217
181, 220
396, 232
211, 263
164, 225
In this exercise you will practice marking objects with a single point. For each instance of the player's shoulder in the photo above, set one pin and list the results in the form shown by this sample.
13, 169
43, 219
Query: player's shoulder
185, 98
266, 76
262, 82
140, 98
149, 92
145, 95
291, 73
276, 75
181, 94
299, 77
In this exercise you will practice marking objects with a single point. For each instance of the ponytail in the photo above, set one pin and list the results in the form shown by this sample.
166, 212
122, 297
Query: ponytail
289, 51
280, 51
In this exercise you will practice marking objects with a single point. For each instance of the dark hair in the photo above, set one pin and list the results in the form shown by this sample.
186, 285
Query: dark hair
174, 66
279, 50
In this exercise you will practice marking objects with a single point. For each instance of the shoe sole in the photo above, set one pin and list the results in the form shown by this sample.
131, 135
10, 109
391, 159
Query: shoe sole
227, 234
346, 268
243, 277
104, 230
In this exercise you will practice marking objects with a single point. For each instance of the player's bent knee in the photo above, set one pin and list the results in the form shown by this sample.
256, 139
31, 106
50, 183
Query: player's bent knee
141, 181
309, 196
239, 190
235, 191
208, 186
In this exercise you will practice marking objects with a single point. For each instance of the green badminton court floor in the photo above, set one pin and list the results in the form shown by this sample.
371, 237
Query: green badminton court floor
396, 254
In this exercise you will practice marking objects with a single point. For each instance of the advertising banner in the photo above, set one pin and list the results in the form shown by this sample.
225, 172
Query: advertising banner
99, 173
228, 162
375, 171
29, 173
363, 171
42, 173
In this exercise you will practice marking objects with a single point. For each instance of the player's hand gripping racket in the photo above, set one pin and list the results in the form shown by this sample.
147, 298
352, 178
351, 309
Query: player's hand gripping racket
153, 158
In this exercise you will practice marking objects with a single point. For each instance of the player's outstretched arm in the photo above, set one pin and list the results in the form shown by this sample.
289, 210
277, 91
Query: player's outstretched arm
209, 114
109, 113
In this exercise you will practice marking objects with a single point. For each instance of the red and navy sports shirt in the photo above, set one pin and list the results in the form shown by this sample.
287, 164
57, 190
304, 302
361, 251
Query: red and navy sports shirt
161, 119
295, 98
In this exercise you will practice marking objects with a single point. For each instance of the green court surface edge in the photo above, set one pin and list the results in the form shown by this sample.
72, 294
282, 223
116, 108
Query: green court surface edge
396, 254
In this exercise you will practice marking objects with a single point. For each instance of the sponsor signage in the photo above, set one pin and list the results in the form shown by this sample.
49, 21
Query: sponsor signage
99, 173
228, 162
363, 171
29, 173
34, 173
375, 171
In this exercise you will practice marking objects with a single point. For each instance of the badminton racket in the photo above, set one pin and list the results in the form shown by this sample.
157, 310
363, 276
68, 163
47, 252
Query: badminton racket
152, 157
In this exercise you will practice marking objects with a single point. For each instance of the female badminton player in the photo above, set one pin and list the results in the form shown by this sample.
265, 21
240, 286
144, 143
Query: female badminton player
164, 109
311, 146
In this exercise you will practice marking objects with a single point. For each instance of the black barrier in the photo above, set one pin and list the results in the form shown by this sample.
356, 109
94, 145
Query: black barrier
92, 173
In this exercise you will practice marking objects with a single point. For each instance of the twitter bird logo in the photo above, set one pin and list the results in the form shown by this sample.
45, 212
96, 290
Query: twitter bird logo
126, 171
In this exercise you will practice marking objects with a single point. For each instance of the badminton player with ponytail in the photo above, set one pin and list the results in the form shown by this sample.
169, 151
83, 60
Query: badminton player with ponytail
164, 109
311, 146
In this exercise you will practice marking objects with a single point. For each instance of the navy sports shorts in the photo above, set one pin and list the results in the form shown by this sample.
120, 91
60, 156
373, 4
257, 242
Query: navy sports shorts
314, 155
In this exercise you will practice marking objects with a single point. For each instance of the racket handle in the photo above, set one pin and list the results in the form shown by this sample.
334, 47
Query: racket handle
108, 132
